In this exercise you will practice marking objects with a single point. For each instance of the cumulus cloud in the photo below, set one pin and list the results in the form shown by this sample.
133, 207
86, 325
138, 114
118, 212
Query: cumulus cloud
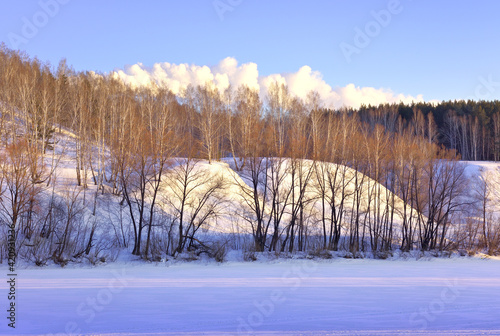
228, 72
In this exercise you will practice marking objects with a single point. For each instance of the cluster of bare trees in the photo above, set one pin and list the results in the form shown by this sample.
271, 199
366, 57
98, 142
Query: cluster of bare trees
304, 177
122, 143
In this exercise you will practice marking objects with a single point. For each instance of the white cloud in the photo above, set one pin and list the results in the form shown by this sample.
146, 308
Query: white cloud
229, 72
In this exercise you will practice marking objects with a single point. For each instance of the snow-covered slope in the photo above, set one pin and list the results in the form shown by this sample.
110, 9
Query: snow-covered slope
236, 187
228, 210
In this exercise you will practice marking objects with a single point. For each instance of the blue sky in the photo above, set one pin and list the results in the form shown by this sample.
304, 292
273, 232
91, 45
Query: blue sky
439, 49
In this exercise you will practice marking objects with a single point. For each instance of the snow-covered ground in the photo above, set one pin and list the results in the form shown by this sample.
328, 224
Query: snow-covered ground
399, 296
455, 296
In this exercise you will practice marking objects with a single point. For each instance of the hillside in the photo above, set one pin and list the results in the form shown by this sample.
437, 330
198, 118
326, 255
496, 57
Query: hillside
219, 207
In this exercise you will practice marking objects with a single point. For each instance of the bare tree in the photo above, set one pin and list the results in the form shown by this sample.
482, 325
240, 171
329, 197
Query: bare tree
279, 100
208, 103
248, 109
252, 183
317, 123
73, 207
18, 190
195, 197
444, 185
300, 173
143, 160
332, 179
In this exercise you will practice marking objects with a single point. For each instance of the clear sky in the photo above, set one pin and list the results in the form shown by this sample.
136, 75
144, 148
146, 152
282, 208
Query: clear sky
438, 49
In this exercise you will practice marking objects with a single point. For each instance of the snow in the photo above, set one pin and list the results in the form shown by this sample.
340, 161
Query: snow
489, 172
399, 296
233, 212
475, 169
